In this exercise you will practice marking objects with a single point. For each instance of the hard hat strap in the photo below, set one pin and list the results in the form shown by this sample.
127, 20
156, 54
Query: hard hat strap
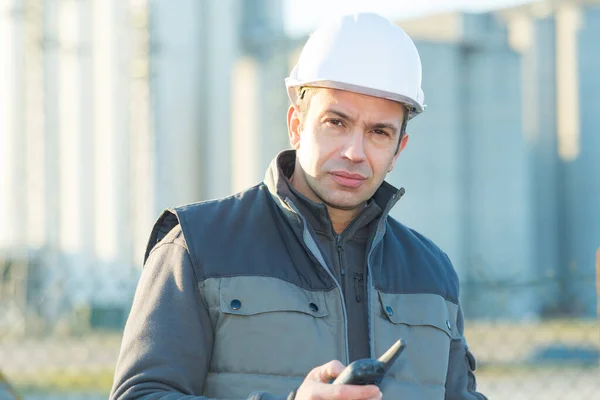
404, 123
302, 92
402, 131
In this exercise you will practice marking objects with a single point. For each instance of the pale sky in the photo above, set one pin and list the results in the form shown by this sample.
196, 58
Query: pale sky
302, 16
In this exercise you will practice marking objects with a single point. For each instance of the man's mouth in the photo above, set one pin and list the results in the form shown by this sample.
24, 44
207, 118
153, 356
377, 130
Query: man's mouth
347, 179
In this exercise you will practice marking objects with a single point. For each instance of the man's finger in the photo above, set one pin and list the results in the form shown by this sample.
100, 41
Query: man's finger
326, 372
351, 392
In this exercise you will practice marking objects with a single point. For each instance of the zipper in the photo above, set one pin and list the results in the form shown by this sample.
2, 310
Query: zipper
314, 249
340, 251
358, 287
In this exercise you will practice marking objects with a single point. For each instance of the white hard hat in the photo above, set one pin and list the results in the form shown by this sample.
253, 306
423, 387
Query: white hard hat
363, 53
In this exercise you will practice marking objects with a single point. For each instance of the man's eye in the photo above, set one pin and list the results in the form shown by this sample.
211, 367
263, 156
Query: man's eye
335, 122
380, 132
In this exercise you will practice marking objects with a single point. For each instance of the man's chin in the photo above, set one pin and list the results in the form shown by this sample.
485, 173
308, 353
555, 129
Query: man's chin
343, 205
341, 199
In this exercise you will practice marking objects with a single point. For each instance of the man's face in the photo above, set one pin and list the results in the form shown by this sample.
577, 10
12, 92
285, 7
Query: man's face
345, 145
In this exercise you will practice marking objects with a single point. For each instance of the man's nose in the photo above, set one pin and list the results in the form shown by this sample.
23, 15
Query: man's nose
354, 147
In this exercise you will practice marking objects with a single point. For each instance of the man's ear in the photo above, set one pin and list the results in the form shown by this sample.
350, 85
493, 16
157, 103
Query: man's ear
293, 122
401, 147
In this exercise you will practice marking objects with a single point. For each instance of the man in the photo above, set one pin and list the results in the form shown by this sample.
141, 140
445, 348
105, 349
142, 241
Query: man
270, 292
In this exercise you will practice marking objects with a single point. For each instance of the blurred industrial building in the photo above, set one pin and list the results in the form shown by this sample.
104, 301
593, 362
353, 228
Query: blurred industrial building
111, 111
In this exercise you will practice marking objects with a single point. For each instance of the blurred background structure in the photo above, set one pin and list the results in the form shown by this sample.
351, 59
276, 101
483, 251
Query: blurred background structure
111, 111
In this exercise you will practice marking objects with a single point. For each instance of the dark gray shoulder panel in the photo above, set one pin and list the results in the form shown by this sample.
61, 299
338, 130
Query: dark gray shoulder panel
247, 234
417, 265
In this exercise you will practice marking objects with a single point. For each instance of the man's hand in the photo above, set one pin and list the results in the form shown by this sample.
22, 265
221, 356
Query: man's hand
316, 386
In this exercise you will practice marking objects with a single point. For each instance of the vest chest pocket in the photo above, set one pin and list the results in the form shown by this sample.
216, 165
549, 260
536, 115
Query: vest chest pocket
427, 324
266, 325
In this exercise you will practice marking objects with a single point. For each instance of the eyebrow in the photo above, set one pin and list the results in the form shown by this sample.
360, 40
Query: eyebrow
377, 125
381, 125
339, 114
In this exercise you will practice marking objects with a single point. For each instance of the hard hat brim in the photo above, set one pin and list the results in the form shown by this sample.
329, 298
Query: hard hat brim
293, 85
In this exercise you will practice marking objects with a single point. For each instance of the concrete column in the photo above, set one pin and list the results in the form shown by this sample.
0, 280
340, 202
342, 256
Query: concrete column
430, 168
259, 129
273, 101
112, 149
582, 194
500, 238
245, 139
142, 200
86, 267
53, 264
546, 203
122, 267
264, 38
70, 122
178, 32
533, 38
106, 159
10, 102
222, 50
568, 20
34, 126
70, 282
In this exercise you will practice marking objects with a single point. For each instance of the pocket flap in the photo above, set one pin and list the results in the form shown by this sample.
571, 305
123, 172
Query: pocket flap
420, 309
251, 295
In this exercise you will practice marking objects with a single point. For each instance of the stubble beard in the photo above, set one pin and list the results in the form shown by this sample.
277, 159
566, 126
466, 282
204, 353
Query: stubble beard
331, 203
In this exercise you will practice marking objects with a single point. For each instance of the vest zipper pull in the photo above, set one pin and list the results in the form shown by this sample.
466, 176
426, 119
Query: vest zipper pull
358, 279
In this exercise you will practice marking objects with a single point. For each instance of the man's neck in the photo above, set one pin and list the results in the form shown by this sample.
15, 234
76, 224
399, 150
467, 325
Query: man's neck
340, 219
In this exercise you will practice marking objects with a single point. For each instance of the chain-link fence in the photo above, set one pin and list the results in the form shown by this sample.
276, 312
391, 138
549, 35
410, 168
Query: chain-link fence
71, 352
554, 354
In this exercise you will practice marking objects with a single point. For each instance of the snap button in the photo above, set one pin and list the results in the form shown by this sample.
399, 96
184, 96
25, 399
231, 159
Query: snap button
449, 325
235, 304
313, 307
389, 310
